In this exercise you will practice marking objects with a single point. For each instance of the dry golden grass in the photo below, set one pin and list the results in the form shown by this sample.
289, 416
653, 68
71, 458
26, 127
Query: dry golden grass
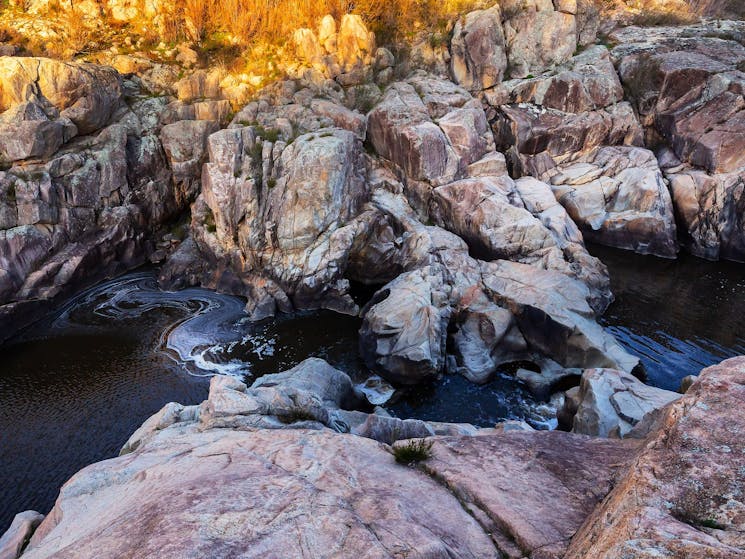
649, 13
222, 28
275, 20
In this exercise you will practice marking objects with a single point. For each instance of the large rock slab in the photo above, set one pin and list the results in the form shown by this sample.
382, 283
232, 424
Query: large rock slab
283, 213
478, 51
554, 315
505, 311
199, 480
682, 496
401, 130
542, 485
225, 493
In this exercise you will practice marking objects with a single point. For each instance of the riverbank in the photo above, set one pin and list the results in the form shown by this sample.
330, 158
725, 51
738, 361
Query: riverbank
418, 212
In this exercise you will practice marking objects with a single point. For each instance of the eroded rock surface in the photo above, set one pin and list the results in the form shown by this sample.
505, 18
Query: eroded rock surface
682, 496
533, 314
618, 197
282, 216
226, 478
687, 86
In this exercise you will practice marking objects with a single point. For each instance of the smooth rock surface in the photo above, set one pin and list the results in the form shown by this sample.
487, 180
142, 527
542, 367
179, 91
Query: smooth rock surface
15, 539
612, 403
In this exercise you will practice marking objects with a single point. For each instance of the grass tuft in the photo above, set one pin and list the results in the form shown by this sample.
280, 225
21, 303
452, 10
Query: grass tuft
413, 451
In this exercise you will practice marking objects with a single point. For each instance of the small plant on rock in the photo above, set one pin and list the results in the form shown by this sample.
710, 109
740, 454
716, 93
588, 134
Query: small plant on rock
413, 451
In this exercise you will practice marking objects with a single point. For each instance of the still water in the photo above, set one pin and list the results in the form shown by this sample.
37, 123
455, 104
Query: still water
678, 316
76, 386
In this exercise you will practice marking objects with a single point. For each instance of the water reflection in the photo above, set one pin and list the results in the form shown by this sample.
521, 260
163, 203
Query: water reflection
678, 316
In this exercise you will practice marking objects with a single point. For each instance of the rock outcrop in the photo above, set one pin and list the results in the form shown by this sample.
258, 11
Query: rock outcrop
687, 86
681, 496
233, 468
219, 466
347, 55
611, 403
15, 539
439, 140
517, 38
89, 175
85, 94
292, 209
618, 197
528, 313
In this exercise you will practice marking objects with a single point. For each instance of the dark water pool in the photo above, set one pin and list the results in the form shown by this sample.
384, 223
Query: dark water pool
678, 316
75, 387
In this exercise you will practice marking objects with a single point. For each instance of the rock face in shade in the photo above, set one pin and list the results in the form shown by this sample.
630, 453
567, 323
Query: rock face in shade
572, 129
85, 184
688, 86
17, 536
681, 496
710, 209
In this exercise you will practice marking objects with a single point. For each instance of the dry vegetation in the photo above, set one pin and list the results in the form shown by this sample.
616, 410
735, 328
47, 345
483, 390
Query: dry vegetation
216, 24
649, 13
275, 20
